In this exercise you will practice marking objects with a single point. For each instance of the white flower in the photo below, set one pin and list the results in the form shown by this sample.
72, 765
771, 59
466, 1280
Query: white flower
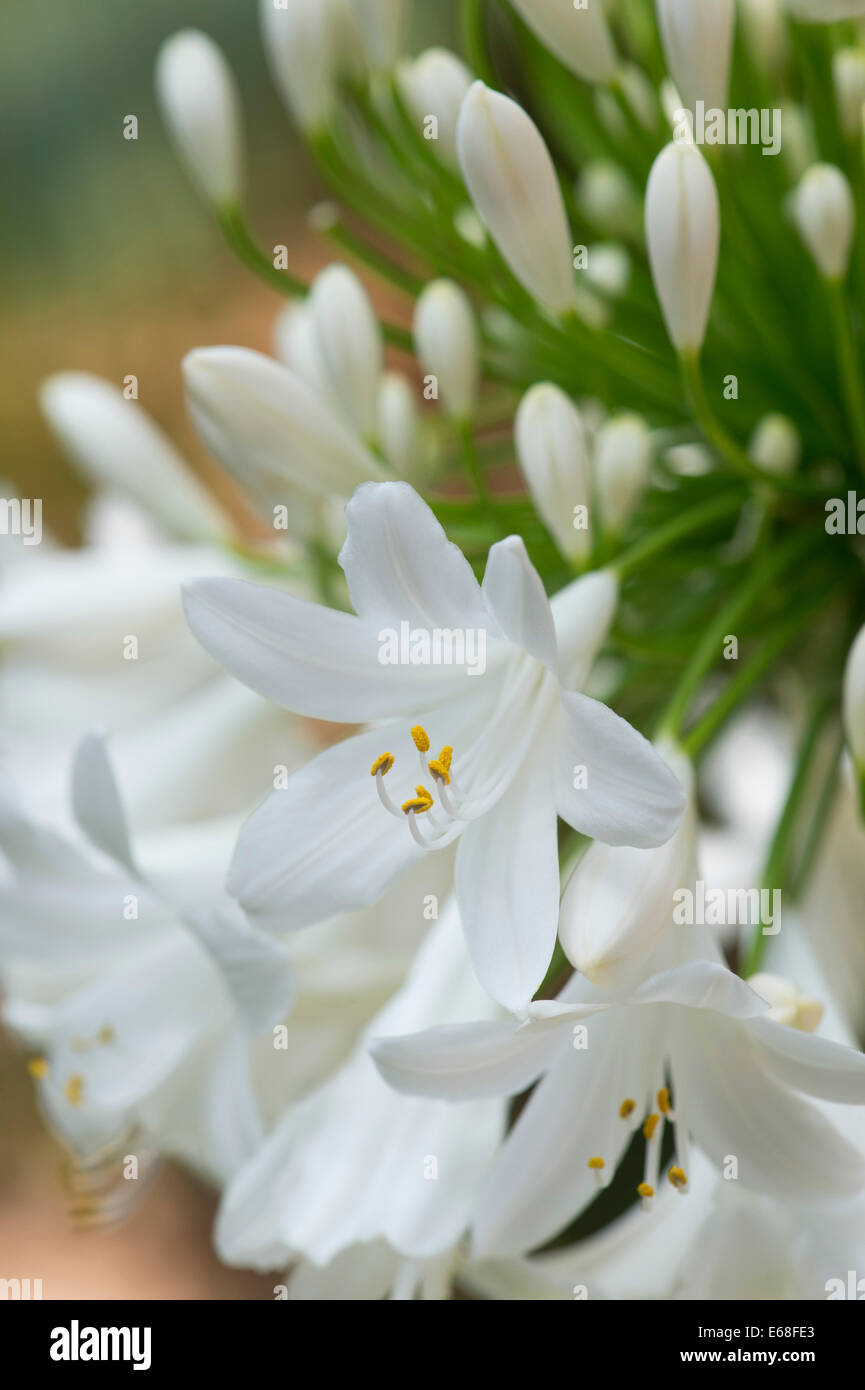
201, 107
446, 342
403, 442
690, 1046
698, 44
520, 742
270, 430
355, 1165
609, 198
579, 37
435, 84
115, 444
683, 232
553, 457
350, 345
854, 699
515, 190
848, 74
825, 216
765, 30
775, 445
623, 458
302, 42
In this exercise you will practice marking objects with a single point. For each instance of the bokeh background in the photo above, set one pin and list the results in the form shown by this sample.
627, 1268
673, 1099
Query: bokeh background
110, 264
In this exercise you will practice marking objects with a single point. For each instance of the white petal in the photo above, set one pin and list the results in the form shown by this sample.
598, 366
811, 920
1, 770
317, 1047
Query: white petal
583, 613
517, 600
470, 1060
631, 797
811, 1064
257, 971
97, 803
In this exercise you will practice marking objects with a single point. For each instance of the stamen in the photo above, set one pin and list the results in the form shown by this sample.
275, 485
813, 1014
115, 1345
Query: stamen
647, 1192
678, 1178
597, 1166
106, 1035
650, 1126
422, 801
664, 1104
382, 765
445, 757
439, 771
421, 738
73, 1089
38, 1068
627, 1108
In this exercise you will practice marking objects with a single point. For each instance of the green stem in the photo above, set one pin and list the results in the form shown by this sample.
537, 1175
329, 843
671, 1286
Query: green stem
240, 241
719, 509
819, 821
378, 261
849, 365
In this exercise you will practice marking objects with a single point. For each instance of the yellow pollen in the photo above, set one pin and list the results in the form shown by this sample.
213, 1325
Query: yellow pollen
421, 738
73, 1089
38, 1068
438, 769
419, 803
650, 1126
382, 765
677, 1177
627, 1108
645, 1190
596, 1164
445, 756
664, 1101
106, 1035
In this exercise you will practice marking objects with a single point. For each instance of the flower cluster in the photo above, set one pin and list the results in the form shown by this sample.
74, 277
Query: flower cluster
553, 631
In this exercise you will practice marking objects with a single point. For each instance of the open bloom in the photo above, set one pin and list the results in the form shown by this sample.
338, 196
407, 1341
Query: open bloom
519, 742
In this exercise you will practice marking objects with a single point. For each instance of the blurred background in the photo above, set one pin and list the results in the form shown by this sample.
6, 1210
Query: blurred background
112, 265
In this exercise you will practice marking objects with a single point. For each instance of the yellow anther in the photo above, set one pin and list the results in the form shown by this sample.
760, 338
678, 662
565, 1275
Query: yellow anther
650, 1126
645, 1190
419, 803
664, 1101
421, 738
438, 769
678, 1177
73, 1089
382, 764
106, 1035
627, 1108
596, 1164
38, 1068
445, 756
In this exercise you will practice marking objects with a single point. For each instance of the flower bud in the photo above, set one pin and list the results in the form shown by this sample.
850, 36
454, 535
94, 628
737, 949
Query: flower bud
446, 342
623, 457
765, 29
788, 1003
515, 190
776, 445
301, 40
854, 703
200, 105
848, 75
683, 232
350, 345
608, 198
296, 345
435, 85
116, 445
269, 429
579, 38
698, 44
553, 457
608, 268
399, 427
825, 216
381, 28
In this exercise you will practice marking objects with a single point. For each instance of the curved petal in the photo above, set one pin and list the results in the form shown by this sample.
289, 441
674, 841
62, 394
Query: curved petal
811, 1064
96, 800
257, 972
629, 796
516, 598
467, 1061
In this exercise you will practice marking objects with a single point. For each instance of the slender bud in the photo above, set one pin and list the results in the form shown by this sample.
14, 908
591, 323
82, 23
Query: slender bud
117, 446
200, 105
608, 268
848, 75
623, 458
553, 457
515, 189
609, 198
297, 347
350, 344
765, 28
683, 232
433, 88
698, 44
579, 38
446, 342
381, 28
854, 708
302, 43
269, 429
399, 426
776, 445
825, 216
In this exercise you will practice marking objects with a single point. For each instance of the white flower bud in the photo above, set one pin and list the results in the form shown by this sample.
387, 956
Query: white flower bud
515, 189
623, 458
446, 342
799, 147
553, 457
608, 198
765, 29
579, 38
350, 343
848, 74
381, 28
776, 445
825, 216
608, 268
435, 84
698, 43
269, 429
788, 1003
399, 426
296, 345
200, 105
117, 446
302, 43
683, 232
854, 702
